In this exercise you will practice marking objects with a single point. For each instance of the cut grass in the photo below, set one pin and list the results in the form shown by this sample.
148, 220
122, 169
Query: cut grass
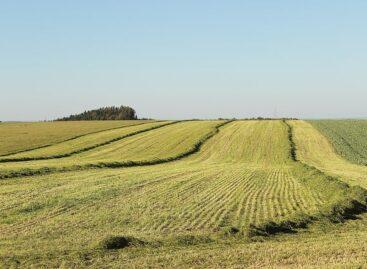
238, 186
83, 143
21, 136
152, 145
315, 149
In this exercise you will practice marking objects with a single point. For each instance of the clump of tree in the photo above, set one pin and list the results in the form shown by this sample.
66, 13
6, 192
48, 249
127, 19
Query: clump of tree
104, 113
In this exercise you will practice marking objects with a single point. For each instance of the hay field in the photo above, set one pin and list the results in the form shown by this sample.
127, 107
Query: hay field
316, 150
20, 136
202, 194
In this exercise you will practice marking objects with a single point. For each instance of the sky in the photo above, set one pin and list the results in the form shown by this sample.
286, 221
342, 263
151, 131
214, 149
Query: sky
184, 59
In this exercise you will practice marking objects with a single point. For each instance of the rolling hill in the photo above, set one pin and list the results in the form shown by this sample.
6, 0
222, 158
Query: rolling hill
269, 193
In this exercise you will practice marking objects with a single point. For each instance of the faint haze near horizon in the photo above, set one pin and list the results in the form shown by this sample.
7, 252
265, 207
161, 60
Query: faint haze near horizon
184, 59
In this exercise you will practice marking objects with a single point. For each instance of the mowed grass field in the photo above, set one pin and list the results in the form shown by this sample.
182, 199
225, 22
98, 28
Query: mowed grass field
20, 136
205, 194
83, 143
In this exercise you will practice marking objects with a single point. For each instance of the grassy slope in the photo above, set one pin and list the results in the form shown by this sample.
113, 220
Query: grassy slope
328, 246
19, 136
259, 143
347, 136
164, 143
315, 149
82, 143
219, 187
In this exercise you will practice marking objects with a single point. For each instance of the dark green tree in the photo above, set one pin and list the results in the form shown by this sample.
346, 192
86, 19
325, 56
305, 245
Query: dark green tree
104, 113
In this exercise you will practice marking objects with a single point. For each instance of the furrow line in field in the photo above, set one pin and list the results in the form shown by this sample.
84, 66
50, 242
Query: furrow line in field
216, 208
241, 212
226, 215
201, 201
278, 185
260, 199
249, 202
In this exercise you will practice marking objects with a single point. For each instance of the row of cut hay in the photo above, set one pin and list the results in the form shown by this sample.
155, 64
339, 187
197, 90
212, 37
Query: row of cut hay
193, 149
24, 159
343, 201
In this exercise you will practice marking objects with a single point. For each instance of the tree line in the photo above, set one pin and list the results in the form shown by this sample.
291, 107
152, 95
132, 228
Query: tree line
104, 113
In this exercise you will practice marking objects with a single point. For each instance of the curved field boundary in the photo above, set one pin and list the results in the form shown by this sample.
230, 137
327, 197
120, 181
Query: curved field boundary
73, 138
346, 201
336, 139
315, 149
46, 170
58, 156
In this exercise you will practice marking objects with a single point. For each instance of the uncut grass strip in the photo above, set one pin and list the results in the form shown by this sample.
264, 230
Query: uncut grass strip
336, 137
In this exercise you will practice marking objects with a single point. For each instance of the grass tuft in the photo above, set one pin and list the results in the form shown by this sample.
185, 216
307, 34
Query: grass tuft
119, 242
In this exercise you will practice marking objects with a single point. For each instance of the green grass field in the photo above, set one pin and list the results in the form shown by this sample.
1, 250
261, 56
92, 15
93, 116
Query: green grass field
191, 194
348, 137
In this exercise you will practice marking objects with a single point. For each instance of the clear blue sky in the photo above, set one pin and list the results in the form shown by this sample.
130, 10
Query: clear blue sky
184, 59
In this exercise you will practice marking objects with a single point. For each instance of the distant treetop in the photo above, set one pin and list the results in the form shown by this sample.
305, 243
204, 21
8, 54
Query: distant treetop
104, 113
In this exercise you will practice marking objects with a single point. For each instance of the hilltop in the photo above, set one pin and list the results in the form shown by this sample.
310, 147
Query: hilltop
104, 113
